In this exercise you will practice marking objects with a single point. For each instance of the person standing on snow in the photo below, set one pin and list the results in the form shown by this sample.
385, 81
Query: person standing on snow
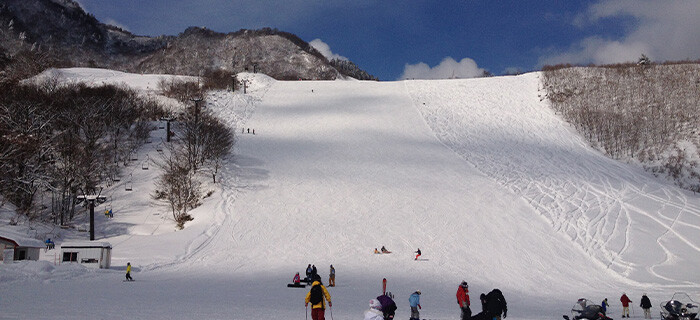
417, 254
414, 301
625, 305
316, 295
463, 300
605, 305
308, 273
375, 310
331, 277
388, 305
646, 306
128, 272
496, 305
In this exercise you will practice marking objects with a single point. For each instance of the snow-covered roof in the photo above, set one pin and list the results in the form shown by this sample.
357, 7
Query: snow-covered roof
19, 240
86, 244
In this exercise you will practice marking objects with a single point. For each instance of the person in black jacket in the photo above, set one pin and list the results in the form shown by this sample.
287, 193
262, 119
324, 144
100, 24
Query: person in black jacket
646, 305
496, 304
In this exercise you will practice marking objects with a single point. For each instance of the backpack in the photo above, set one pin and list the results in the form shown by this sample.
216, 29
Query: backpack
316, 294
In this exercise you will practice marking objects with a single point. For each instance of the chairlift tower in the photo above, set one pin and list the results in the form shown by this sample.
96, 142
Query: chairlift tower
167, 127
90, 201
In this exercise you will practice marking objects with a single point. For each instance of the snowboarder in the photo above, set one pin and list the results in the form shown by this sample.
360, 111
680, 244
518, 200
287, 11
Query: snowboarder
417, 254
384, 250
376, 251
646, 306
314, 272
375, 310
463, 300
316, 295
496, 304
128, 272
297, 279
331, 277
388, 305
414, 301
605, 305
625, 305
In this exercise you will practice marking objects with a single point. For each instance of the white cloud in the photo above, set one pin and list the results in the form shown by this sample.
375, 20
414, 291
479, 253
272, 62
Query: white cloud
664, 30
325, 50
447, 69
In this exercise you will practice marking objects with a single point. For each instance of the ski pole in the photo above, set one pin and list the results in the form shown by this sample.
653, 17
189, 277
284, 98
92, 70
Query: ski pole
307, 312
331, 308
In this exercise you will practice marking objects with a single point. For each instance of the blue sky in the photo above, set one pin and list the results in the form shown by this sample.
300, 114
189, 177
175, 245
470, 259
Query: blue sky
439, 38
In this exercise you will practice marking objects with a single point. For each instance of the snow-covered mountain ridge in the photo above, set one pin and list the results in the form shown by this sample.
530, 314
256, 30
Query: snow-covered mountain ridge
63, 34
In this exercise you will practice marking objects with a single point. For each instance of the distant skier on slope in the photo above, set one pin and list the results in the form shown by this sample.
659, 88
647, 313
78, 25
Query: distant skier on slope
128, 272
331, 277
463, 300
417, 254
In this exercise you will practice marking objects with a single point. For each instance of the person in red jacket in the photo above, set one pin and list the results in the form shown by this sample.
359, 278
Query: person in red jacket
625, 305
463, 300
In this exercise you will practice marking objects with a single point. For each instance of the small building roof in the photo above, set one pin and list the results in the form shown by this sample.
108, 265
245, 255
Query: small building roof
86, 244
20, 240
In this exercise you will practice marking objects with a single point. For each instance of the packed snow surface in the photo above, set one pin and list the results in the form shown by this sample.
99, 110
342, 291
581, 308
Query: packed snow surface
480, 174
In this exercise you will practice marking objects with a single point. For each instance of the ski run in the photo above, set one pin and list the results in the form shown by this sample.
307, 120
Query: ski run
480, 174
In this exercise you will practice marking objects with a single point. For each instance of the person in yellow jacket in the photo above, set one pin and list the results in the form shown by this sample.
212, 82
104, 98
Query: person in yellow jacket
318, 309
128, 272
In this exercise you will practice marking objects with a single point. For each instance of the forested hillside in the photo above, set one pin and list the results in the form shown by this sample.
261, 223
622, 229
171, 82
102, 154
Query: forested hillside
648, 114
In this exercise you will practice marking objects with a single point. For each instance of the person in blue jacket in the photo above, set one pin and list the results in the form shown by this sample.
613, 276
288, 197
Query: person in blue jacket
605, 305
414, 300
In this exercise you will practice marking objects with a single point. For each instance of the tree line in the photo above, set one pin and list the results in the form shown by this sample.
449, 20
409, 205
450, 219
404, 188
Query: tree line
648, 113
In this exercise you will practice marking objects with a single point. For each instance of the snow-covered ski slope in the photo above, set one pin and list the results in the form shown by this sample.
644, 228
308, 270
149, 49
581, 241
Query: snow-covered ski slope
643, 229
479, 174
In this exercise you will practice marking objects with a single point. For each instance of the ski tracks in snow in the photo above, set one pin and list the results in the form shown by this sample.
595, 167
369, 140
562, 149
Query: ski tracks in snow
614, 212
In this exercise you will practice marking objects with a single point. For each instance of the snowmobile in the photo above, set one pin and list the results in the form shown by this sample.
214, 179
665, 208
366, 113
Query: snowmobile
680, 307
584, 310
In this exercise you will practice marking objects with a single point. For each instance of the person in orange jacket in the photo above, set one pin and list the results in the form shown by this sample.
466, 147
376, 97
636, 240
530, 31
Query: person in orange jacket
316, 295
463, 300
625, 305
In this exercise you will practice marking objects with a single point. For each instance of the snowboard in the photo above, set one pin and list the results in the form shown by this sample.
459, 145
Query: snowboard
296, 285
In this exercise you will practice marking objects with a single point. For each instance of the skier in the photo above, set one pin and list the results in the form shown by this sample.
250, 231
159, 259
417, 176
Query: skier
625, 305
375, 310
388, 305
315, 296
128, 272
414, 301
331, 277
646, 306
496, 305
463, 300
297, 279
417, 254
605, 305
